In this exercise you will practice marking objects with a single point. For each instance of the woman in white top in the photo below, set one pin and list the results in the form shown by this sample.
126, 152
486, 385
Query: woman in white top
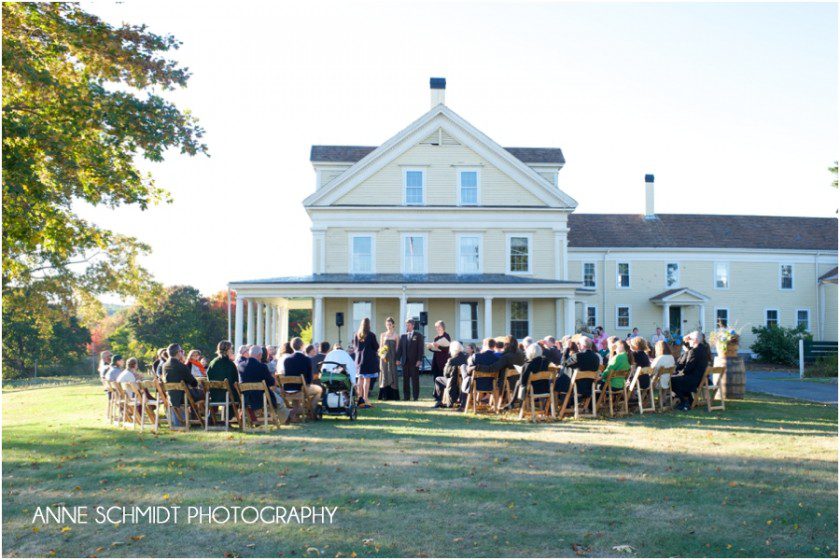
663, 359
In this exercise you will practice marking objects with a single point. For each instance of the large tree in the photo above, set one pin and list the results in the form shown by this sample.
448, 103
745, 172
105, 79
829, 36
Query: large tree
81, 104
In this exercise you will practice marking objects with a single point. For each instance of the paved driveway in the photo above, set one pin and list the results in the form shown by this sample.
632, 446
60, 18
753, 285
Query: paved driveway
783, 384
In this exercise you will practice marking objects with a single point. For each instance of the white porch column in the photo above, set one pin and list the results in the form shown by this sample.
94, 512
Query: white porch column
403, 312
559, 318
269, 325
702, 311
666, 317
569, 312
260, 324
239, 322
250, 322
317, 320
488, 317
284, 323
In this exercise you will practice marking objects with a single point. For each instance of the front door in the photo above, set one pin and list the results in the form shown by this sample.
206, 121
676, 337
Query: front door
675, 319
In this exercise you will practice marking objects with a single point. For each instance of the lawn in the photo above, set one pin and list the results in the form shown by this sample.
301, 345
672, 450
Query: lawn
757, 480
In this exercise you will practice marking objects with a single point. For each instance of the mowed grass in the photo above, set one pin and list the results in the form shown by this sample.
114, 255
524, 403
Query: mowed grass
759, 479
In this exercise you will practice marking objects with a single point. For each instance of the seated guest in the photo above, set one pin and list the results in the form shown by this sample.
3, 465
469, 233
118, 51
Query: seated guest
447, 386
271, 359
253, 370
690, 369
663, 359
242, 354
301, 364
510, 356
486, 357
310, 350
550, 352
318, 359
194, 361
104, 363
525, 343
471, 349
607, 352
175, 370
160, 358
657, 337
585, 359
223, 368
285, 352
638, 349
117, 364
130, 374
535, 362
621, 360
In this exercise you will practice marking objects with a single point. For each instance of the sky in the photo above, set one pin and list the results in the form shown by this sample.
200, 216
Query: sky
733, 107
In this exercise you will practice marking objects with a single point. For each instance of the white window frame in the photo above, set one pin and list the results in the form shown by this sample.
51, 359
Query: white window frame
594, 274
478, 325
679, 270
353, 327
530, 237
530, 313
728, 275
480, 237
728, 318
405, 186
618, 285
586, 309
629, 316
792, 277
778, 316
458, 171
351, 238
808, 320
425, 237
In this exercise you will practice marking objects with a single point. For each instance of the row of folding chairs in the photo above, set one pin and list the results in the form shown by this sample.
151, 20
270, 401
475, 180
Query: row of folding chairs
542, 401
147, 403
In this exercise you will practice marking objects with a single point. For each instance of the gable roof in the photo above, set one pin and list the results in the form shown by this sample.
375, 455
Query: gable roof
829, 277
352, 154
674, 294
702, 231
440, 117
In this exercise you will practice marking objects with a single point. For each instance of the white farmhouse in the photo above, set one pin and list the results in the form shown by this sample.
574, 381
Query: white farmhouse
442, 219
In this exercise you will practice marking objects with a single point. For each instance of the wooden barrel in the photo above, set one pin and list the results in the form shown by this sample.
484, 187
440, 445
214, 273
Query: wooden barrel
736, 376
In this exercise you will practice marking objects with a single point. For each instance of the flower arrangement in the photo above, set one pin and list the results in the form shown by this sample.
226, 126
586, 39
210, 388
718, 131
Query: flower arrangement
383, 353
725, 338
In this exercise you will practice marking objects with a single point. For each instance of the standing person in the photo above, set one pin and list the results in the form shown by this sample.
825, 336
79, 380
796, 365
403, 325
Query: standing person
388, 388
439, 349
410, 356
367, 360
223, 368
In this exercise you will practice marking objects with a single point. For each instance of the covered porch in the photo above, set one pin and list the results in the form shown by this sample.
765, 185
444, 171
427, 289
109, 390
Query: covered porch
672, 303
472, 306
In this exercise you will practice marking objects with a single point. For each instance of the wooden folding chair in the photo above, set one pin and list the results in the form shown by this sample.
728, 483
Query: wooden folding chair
132, 402
182, 413
609, 396
709, 391
162, 398
293, 392
266, 414
489, 386
662, 376
509, 378
118, 414
584, 406
532, 395
227, 404
109, 405
150, 404
644, 397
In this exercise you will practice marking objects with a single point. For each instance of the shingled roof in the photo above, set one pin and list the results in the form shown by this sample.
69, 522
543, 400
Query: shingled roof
702, 231
352, 154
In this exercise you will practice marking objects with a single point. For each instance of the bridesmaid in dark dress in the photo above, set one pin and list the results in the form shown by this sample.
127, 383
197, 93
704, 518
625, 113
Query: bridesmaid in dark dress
440, 349
367, 360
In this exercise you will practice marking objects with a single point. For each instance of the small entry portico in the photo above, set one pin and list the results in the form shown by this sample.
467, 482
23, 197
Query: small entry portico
672, 303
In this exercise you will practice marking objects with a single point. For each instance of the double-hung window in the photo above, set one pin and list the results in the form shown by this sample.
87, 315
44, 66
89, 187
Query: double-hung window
771, 318
622, 278
589, 274
468, 320
361, 254
622, 316
469, 254
468, 187
414, 254
803, 319
786, 277
591, 316
672, 275
519, 254
722, 317
519, 319
721, 276
414, 180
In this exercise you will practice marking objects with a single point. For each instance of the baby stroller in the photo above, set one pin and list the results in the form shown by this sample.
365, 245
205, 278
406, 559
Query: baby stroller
338, 377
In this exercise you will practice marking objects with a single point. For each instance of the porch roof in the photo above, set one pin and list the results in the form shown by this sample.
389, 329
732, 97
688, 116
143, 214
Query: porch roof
685, 296
408, 279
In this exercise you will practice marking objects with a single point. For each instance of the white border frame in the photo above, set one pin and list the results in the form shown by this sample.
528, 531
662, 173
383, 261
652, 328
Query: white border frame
350, 237
629, 315
425, 237
530, 303
629, 285
405, 171
679, 275
530, 237
594, 274
458, 171
728, 275
479, 319
792, 277
728, 316
778, 316
796, 317
480, 236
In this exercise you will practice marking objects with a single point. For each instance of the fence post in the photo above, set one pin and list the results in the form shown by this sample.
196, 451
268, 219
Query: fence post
801, 358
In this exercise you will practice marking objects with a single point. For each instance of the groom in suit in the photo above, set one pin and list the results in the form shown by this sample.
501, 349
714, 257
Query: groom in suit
410, 355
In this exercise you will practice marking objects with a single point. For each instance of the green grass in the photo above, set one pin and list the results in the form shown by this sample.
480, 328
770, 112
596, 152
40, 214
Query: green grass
757, 480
